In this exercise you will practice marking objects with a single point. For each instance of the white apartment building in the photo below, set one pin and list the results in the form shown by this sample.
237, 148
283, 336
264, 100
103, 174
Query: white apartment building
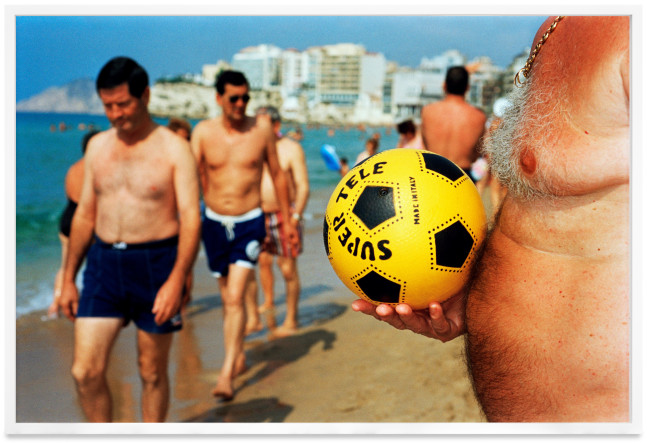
412, 89
294, 72
261, 65
346, 82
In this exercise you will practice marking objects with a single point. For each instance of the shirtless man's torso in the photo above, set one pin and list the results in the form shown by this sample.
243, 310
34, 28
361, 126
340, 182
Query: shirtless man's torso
548, 314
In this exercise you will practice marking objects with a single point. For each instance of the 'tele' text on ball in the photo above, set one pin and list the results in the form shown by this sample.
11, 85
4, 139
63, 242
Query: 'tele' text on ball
361, 175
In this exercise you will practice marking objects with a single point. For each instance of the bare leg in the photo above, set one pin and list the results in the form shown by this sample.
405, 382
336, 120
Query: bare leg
265, 263
290, 273
52, 311
93, 341
251, 306
153, 351
232, 290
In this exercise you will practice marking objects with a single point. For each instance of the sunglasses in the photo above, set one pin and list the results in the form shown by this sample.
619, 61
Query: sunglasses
234, 98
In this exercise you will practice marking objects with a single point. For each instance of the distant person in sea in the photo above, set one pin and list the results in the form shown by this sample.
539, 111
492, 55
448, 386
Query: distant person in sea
410, 137
292, 160
452, 127
370, 148
231, 151
296, 134
180, 126
138, 219
344, 166
73, 184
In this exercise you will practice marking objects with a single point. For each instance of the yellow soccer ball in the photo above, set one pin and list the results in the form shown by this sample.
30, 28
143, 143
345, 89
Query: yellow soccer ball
404, 226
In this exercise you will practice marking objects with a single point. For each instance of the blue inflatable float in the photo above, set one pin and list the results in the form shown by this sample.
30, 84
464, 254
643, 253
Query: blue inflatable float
330, 157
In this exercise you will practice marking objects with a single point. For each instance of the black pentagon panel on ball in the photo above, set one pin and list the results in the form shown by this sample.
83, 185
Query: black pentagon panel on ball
442, 166
453, 245
378, 288
325, 237
375, 205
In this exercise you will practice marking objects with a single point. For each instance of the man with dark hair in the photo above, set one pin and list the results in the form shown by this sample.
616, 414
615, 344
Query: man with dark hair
231, 150
452, 127
457, 80
139, 216
122, 70
547, 316
234, 78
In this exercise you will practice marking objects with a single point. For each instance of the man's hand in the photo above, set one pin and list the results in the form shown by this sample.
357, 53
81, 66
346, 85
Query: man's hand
442, 321
292, 234
168, 300
68, 302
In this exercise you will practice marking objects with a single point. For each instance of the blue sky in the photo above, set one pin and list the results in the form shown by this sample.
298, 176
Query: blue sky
54, 50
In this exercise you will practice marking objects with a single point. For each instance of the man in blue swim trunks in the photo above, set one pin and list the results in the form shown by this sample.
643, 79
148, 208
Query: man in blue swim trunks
139, 215
231, 150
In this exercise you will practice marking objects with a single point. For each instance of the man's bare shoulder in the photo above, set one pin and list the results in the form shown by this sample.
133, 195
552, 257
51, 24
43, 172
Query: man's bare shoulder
100, 142
289, 144
206, 125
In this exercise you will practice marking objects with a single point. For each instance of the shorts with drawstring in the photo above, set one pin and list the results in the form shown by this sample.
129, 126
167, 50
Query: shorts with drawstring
231, 239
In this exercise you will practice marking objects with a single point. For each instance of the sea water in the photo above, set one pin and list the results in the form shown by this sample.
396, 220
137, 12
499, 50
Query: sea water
44, 153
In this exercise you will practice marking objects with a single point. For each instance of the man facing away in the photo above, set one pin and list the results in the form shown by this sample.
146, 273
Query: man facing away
547, 315
139, 216
452, 127
231, 150
293, 163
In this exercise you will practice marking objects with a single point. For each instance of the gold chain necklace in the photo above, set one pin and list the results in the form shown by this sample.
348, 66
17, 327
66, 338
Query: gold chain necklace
531, 59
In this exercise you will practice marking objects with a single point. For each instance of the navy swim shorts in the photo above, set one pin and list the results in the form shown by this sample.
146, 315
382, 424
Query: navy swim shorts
121, 280
232, 239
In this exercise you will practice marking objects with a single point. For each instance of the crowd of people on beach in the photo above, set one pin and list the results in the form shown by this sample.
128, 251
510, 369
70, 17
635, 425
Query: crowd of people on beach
541, 342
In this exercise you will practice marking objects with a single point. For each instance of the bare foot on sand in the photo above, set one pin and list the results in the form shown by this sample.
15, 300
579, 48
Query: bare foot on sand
284, 331
224, 389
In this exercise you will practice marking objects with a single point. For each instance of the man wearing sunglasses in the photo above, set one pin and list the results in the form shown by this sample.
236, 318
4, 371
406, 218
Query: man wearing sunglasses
231, 150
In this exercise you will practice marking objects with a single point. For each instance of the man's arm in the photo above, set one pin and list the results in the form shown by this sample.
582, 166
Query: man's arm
81, 234
196, 149
187, 196
279, 180
300, 176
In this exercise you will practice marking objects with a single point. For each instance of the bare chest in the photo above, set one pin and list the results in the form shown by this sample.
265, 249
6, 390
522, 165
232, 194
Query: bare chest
142, 175
236, 151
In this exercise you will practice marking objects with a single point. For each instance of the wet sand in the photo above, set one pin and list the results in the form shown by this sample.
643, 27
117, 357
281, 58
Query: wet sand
341, 367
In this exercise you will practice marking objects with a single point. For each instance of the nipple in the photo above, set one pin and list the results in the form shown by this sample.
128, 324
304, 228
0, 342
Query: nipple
528, 162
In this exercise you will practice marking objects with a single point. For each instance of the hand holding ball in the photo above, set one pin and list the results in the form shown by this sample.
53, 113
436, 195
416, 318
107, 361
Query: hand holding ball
404, 226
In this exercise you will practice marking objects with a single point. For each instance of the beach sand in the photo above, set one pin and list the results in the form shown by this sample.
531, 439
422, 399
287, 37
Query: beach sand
341, 367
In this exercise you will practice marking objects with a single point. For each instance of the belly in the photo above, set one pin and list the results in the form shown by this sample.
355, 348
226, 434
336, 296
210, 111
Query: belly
548, 334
